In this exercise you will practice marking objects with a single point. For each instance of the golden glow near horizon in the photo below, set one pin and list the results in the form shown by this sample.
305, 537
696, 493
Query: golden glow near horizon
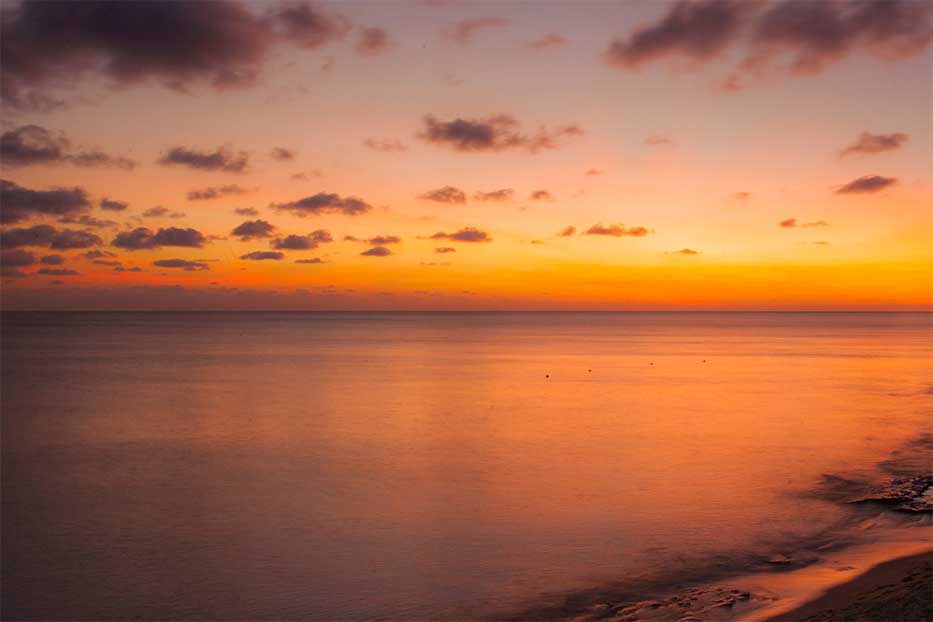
744, 167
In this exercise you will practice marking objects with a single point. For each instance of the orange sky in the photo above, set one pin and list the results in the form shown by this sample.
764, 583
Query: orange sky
650, 128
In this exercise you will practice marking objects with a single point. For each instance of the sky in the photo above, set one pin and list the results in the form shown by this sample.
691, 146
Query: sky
454, 155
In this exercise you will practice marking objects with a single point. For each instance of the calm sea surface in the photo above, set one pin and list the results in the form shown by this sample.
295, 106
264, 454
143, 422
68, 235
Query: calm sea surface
424, 466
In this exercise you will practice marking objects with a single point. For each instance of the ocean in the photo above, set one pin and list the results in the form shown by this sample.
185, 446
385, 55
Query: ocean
442, 466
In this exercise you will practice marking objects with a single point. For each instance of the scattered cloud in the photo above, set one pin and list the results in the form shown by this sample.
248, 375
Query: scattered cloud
18, 203
550, 40
465, 31
441, 250
183, 264
376, 251
495, 196
447, 194
791, 223
282, 154
311, 260
698, 30
52, 260
162, 212
246, 211
303, 242
113, 206
541, 195
740, 196
324, 203
16, 258
253, 229
467, 234
373, 41
490, 134
867, 185
48, 236
263, 255
57, 272
177, 44
221, 159
305, 176
143, 238
567, 231
32, 144
216, 192
869, 143
685, 251
617, 231
593, 172
385, 146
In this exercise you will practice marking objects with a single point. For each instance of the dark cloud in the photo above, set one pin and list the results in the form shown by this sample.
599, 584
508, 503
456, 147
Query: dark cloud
373, 41
567, 231
16, 258
467, 234
311, 260
95, 254
376, 251
215, 192
867, 184
869, 143
447, 194
183, 264
790, 223
384, 240
47, 236
303, 242
161, 212
58, 272
283, 154
39, 235
792, 36
46, 45
541, 195
441, 250
143, 238
113, 206
698, 30
113, 263
495, 133
385, 146
252, 229
617, 231
324, 203
497, 196
18, 203
550, 40
221, 159
246, 211
263, 255
33, 144
52, 260
464, 31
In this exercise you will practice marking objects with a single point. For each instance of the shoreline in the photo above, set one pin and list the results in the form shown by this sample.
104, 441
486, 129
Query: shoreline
898, 589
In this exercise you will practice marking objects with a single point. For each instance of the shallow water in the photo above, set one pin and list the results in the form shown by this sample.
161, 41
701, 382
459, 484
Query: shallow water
413, 466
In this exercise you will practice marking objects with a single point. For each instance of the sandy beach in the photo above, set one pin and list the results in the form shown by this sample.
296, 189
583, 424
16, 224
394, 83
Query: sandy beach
897, 590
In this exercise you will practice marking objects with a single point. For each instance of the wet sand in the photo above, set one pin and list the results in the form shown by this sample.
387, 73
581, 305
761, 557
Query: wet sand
900, 590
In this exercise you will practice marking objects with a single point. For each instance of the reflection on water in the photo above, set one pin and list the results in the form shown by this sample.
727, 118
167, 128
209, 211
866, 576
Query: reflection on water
407, 466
